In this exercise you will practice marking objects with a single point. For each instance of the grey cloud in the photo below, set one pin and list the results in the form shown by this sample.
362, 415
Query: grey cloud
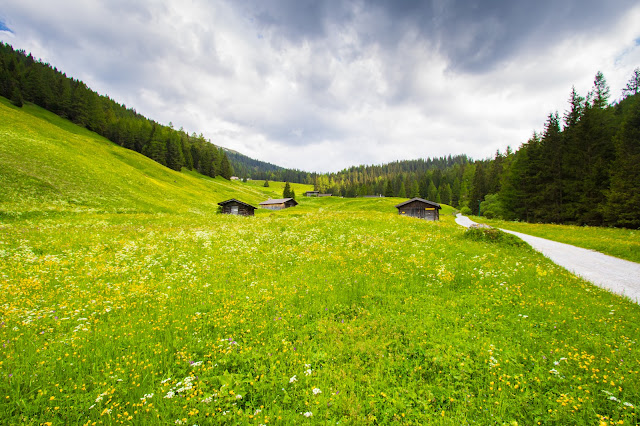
474, 35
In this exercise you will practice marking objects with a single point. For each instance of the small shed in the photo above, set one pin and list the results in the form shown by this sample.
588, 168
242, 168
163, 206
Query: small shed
422, 209
278, 203
237, 207
311, 193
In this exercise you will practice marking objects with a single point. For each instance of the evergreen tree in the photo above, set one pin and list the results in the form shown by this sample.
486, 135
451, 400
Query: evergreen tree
402, 192
624, 195
600, 91
287, 191
226, 171
432, 192
479, 188
388, 189
266, 184
633, 86
16, 96
415, 190
445, 194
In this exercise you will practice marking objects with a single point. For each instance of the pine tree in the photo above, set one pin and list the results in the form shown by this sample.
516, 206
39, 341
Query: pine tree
388, 189
16, 96
432, 192
624, 195
600, 91
633, 86
266, 184
445, 194
287, 191
226, 171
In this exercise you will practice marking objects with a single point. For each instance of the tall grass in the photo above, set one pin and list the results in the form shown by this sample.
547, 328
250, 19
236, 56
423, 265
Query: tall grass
334, 311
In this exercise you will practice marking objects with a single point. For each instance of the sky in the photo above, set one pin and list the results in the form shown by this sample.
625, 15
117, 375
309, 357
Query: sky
322, 85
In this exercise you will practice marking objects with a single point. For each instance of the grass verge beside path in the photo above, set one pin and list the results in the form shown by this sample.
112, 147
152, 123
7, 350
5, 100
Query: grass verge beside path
622, 243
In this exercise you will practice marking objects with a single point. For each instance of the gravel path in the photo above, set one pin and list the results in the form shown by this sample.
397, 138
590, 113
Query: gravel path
616, 275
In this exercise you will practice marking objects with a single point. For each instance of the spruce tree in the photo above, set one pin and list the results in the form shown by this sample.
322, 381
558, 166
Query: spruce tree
287, 191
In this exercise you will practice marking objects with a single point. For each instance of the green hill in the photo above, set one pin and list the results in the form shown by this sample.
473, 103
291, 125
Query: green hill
49, 164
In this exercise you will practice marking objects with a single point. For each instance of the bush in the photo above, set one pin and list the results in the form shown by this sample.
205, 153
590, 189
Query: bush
466, 211
492, 207
493, 235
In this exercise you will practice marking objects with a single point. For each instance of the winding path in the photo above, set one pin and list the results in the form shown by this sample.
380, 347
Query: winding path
616, 275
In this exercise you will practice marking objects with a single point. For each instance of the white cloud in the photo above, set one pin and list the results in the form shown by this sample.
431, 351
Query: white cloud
352, 92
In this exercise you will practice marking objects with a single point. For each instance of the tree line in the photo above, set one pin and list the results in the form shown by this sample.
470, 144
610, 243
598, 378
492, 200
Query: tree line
583, 168
25, 79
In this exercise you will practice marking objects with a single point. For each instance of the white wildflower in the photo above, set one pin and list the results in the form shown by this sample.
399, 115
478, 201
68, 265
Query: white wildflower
165, 380
170, 394
293, 379
238, 396
308, 372
628, 404
308, 414
554, 371
316, 391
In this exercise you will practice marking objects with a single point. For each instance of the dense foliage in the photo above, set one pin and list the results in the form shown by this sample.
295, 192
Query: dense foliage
583, 170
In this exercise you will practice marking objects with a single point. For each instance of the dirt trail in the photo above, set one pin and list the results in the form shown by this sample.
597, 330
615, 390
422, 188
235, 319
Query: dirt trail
617, 275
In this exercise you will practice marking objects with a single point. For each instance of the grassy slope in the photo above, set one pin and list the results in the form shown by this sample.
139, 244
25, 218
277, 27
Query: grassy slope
48, 164
106, 314
622, 243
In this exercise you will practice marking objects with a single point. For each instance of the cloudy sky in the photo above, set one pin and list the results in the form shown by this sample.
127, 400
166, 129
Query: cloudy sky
321, 85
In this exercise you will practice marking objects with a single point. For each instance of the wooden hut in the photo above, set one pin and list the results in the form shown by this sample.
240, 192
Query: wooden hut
237, 207
278, 203
422, 209
311, 193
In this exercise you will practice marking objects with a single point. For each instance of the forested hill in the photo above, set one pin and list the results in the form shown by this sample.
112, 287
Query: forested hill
584, 168
25, 79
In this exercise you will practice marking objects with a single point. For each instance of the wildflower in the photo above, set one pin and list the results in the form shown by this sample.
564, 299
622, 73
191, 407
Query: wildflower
628, 404
553, 371
308, 414
238, 396
293, 379
308, 372
196, 364
170, 394
165, 380
316, 391
147, 396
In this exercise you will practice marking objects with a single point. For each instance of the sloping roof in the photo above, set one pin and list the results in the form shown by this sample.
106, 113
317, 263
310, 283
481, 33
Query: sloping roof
431, 203
277, 201
222, 203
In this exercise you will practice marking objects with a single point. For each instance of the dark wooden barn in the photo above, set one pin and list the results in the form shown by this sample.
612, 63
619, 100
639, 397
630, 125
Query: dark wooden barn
278, 204
237, 207
422, 209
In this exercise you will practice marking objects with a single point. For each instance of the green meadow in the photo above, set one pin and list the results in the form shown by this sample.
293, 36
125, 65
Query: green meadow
126, 299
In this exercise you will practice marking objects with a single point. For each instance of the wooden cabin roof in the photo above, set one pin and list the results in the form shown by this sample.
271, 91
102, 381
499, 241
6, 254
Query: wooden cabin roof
431, 203
233, 200
277, 201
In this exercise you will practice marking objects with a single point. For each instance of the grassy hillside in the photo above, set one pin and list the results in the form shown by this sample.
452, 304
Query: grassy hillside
51, 165
135, 304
